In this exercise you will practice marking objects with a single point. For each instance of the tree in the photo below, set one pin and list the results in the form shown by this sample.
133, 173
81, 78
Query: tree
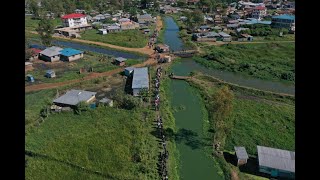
45, 30
33, 5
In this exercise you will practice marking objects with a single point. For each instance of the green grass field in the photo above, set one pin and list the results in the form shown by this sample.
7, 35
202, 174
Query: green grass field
270, 61
106, 143
32, 24
129, 38
112, 141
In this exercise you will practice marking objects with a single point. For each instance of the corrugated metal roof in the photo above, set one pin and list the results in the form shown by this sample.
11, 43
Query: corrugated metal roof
129, 68
284, 16
70, 52
105, 100
223, 34
140, 78
73, 15
241, 152
145, 16
52, 51
276, 158
73, 97
120, 59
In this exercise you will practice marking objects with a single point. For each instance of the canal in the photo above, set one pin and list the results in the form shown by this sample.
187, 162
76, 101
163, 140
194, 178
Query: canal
194, 162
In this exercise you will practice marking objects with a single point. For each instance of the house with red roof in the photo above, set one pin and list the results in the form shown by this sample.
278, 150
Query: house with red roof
74, 19
259, 12
34, 54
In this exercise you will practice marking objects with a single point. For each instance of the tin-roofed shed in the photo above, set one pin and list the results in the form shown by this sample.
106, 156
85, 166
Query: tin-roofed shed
50, 54
276, 162
119, 61
140, 80
74, 97
241, 154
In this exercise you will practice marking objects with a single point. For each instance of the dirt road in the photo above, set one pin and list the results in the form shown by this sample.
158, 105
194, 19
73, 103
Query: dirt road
151, 61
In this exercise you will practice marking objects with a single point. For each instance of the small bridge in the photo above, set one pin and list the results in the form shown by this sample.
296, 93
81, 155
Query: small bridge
180, 77
185, 53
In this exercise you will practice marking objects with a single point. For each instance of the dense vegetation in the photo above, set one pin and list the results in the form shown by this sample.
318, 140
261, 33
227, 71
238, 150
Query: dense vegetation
272, 61
129, 38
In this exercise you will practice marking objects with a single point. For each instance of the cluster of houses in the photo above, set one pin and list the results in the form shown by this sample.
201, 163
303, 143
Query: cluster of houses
277, 163
69, 100
54, 53
76, 22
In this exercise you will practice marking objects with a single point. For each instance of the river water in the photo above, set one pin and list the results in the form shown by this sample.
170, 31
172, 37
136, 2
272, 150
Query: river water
194, 163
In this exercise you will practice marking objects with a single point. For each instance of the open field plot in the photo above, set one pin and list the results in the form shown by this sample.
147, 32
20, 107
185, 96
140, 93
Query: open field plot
105, 143
271, 61
112, 141
128, 38
32, 24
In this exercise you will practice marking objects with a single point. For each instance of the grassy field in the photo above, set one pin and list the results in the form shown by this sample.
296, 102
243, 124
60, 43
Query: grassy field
106, 143
256, 119
129, 38
32, 24
270, 61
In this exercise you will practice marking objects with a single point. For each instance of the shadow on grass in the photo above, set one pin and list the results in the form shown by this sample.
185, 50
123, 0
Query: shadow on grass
188, 137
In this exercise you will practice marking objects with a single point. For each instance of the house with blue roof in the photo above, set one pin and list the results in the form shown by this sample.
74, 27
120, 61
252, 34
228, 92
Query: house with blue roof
283, 21
69, 54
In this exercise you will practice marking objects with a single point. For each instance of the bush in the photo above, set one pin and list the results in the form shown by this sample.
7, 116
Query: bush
125, 101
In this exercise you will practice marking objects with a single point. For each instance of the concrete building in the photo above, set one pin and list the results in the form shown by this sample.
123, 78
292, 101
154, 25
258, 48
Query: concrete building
71, 20
283, 21
51, 54
259, 12
74, 97
140, 80
69, 54
276, 162
224, 37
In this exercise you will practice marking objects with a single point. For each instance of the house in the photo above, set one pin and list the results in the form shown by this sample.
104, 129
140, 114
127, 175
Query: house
28, 66
129, 25
162, 48
107, 15
89, 18
34, 54
79, 11
241, 154
102, 31
218, 19
241, 29
119, 61
204, 28
276, 162
128, 71
74, 97
140, 80
99, 18
192, 2
245, 37
71, 20
113, 28
235, 16
106, 101
259, 12
30, 78
145, 18
183, 18
233, 26
69, 54
51, 54
283, 21
205, 37
123, 20
224, 37
50, 74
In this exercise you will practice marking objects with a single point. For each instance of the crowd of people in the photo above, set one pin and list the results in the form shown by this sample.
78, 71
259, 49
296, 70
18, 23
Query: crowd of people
153, 39
164, 154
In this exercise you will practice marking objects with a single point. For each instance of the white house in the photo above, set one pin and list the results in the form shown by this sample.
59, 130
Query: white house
259, 12
71, 20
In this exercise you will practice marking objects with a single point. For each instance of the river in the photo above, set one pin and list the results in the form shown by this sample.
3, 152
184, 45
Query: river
194, 163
